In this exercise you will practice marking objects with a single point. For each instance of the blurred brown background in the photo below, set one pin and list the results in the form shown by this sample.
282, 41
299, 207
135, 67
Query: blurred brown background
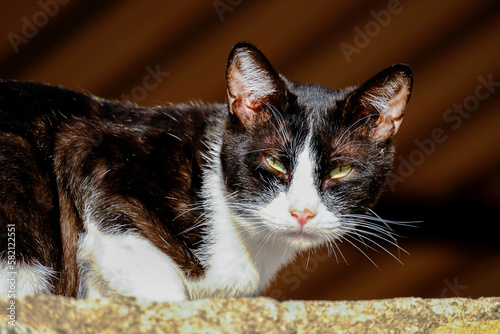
446, 174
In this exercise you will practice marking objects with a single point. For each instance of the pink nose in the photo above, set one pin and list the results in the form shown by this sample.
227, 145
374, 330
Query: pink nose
303, 216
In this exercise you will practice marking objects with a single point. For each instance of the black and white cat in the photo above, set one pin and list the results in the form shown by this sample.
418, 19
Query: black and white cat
187, 201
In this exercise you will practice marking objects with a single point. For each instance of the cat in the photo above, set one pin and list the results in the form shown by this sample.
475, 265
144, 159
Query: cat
178, 202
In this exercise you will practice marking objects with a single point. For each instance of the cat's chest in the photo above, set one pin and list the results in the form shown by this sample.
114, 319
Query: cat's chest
236, 264
230, 271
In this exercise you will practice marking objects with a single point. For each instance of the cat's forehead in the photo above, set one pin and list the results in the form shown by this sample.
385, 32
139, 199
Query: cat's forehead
318, 110
314, 98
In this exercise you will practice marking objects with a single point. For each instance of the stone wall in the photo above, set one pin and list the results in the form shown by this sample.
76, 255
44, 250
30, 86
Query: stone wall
52, 314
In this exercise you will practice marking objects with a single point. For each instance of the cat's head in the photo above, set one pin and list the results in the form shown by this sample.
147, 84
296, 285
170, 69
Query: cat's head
304, 164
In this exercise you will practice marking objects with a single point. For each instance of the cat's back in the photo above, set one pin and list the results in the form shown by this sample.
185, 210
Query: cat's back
40, 112
28, 104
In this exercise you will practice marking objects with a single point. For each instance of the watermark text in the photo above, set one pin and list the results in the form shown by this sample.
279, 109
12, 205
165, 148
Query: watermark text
32, 25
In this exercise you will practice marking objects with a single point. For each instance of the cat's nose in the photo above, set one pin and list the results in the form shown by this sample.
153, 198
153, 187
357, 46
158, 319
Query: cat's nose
303, 216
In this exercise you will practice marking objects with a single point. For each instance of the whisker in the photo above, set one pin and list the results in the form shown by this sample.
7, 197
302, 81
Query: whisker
202, 220
378, 231
338, 248
383, 248
194, 208
344, 237
373, 227
366, 228
308, 258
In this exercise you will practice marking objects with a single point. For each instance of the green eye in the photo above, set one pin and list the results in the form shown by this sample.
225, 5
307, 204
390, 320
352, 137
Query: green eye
276, 164
339, 172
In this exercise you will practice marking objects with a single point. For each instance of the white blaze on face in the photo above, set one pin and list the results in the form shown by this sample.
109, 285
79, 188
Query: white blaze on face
302, 193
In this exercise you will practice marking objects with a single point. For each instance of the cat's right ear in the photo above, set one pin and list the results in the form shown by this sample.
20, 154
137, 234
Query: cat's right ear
253, 86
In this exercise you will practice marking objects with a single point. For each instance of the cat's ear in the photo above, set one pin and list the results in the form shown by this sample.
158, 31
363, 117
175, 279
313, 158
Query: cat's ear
383, 99
253, 86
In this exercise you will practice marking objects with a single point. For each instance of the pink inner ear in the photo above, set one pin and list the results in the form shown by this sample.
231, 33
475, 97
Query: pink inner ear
384, 128
236, 86
391, 114
243, 100
248, 110
242, 109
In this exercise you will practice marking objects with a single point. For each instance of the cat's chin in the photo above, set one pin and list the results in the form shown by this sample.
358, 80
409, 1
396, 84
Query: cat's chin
302, 239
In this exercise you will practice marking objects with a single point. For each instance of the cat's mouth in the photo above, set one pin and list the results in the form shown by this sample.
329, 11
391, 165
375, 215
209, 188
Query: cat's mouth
303, 237
294, 234
301, 233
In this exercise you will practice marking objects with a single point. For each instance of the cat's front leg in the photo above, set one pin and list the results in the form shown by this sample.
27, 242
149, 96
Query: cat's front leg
127, 264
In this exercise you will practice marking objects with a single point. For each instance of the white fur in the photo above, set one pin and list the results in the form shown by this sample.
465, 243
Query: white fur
24, 280
303, 194
126, 265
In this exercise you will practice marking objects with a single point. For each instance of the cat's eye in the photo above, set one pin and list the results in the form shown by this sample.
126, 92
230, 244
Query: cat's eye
340, 171
276, 164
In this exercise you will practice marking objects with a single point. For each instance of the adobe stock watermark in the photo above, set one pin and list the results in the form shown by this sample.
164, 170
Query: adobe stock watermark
222, 7
453, 289
150, 82
371, 29
404, 167
32, 25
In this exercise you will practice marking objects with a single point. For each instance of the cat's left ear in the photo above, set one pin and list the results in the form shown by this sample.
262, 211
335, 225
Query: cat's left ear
253, 86
383, 99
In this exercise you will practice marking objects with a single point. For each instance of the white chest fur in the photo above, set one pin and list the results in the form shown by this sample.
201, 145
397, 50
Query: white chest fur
238, 264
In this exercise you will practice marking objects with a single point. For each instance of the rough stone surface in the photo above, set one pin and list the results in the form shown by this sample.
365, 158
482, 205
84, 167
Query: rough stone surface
52, 314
